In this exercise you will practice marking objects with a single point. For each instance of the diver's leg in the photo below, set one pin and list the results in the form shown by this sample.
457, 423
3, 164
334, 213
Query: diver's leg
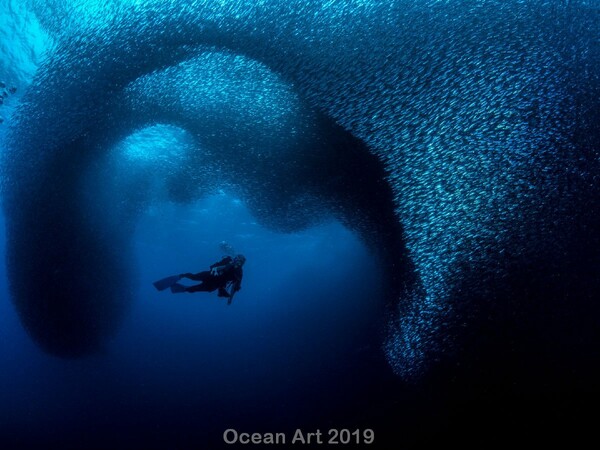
203, 287
177, 288
200, 276
209, 285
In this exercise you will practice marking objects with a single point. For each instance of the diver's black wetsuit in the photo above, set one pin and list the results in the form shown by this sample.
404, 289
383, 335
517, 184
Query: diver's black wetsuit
227, 272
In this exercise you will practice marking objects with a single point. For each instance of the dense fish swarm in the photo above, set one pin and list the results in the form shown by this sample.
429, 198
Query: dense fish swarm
469, 128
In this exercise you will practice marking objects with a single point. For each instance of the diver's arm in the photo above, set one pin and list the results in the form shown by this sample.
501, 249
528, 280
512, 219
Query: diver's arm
217, 268
234, 289
223, 263
237, 280
236, 286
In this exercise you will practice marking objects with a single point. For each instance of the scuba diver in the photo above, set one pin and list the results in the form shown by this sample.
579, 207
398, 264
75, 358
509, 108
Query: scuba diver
226, 272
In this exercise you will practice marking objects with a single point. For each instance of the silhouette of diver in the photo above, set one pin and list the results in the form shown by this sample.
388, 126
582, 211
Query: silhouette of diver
227, 271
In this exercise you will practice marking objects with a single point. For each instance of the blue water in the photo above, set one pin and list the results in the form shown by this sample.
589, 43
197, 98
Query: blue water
296, 334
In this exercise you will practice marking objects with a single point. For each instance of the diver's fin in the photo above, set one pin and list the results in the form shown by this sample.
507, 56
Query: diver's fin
177, 288
165, 283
